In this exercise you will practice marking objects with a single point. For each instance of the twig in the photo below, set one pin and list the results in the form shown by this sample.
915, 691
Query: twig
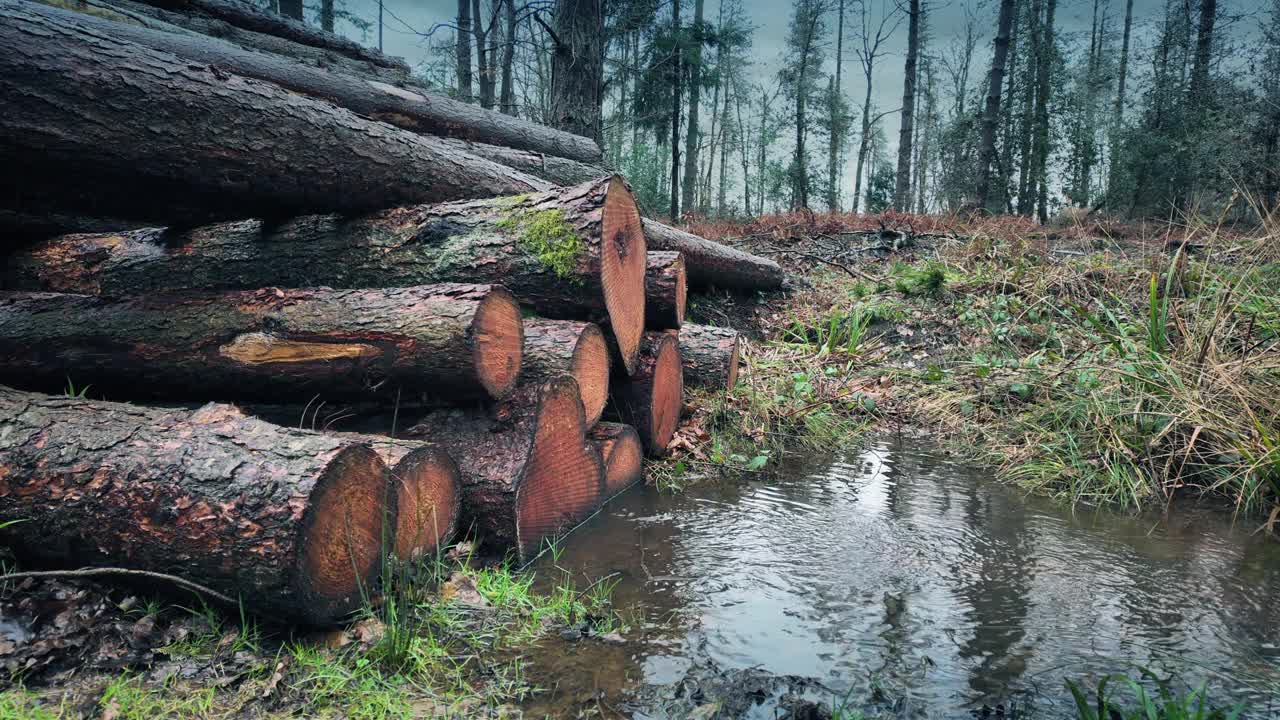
96, 572
852, 272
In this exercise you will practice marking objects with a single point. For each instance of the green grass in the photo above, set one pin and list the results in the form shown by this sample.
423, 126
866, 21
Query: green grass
1141, 703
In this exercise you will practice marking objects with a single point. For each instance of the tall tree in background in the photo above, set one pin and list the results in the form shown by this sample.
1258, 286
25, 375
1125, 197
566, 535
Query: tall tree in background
902, 184
1270, 121
463, 49
291, 9
692, 61
799, 77
871, 49
326, 15
991, 113
507, 101
677, 73
483, 70
1044, 75
577, 67
836, 116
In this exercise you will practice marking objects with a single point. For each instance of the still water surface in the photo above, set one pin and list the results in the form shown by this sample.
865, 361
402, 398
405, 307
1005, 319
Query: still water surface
913, 585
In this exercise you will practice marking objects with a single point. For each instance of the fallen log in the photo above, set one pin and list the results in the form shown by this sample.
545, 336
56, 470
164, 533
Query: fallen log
620, 448
566, 347
573, 254
409, 108
149, 135
288, 521
246, 16
650, 399
541, 162
713, 264
710, 356
527, 470
446, 342
665, 290
425, 481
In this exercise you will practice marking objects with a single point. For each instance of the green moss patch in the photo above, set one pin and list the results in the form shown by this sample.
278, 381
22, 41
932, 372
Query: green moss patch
547, 236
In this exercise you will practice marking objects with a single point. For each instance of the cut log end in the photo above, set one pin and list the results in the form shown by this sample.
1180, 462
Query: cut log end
563, 481
623, 455
498, 342
622, 269
668, 394
428, 497
666, 290
591, 370
342, 536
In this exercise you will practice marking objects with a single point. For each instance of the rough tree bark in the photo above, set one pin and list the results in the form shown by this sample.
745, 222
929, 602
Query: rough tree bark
111, 128
677, 73
444, 342
991, 113
665, 291
709, 263
576, 252
462, 51
902, 185
527, 469
507, 99
693, 135
566, 347
709, 356
622, 453
1040, 174
577, 67
650, 399
290, 521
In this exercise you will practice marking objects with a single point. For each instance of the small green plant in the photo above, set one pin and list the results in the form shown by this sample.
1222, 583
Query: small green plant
1164, 704
71, 391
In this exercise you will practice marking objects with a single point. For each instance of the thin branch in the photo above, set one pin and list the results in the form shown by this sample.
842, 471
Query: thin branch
98, 572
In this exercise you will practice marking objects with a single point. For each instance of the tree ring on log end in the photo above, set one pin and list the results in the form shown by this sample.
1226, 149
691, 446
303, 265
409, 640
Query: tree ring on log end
622, 269
564, 478
428, 501
622, 466
341, 534
591, 370
497, 335
668, 394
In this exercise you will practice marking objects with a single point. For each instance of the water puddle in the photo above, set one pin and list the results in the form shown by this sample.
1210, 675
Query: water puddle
911, 585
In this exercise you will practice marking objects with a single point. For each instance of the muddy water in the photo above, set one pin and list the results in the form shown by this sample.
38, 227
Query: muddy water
911, 586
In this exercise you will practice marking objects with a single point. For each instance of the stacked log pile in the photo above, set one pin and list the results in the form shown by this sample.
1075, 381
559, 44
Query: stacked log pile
266, 214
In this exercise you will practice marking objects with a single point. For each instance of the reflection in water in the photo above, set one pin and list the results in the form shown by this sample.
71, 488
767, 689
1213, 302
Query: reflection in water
896, 569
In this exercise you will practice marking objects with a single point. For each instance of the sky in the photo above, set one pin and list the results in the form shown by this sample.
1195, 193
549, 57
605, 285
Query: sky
405, 21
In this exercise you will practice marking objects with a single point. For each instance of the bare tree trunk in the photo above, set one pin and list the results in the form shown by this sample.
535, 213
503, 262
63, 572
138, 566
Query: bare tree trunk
326, 15
577, 67
1041, 178
675, 112
1200, 89
464, 50
693, 136
1124, 61
507, 101
902, 187
743, 147
482, 55
1005, 174
991, 114
837, 122
291, 9
1026, 200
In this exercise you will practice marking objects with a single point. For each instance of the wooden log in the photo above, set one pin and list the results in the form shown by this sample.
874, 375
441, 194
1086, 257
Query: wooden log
710, 356
148, 135
573, 254
713, 264
287, 520
623, 455
650, 399
428, 493
567, 347
447, 342
245, 15
542, 162
410, 108
527, 469
665, 290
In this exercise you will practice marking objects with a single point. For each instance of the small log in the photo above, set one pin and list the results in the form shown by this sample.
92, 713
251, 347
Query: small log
289, 521
623, 455
527, 470
573, 254
567, 347
710, 356
428, 493
713, 264
650, 399
97, 126
665, 290
448, 342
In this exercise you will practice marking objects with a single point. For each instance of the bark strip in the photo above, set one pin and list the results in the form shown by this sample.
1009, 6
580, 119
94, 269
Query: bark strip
710, 356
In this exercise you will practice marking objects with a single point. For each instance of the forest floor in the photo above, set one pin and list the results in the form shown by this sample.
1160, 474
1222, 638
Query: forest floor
1118, 364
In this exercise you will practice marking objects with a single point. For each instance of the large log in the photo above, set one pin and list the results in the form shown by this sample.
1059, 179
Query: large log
409, 108
445, 342
650, 399
713, 264
575, 253
428, 494
710, 356
665, 290
528, 471
623, 455
567, 347
287, 520
542, 162
97, 126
